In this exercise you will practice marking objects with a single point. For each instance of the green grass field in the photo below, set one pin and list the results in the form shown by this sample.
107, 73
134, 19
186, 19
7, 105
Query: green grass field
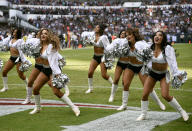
77, 68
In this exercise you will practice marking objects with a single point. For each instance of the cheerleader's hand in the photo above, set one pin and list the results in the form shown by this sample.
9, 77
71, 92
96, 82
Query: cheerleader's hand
57, 75
180, 77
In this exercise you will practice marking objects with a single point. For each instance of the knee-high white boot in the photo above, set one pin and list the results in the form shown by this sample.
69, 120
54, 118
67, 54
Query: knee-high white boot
144, 108
157, 100
178, 108
90, 84
67, 90
75, 109
124, 101
110, 80
26, 81
37, 105
113, 91
29, 94
5, 86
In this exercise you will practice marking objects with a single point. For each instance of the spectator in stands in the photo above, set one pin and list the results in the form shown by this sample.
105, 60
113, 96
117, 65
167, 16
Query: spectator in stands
175, 18
74, 41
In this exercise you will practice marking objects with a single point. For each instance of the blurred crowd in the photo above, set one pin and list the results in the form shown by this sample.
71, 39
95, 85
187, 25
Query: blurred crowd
68, 2
175, 21
97, 3
4, 31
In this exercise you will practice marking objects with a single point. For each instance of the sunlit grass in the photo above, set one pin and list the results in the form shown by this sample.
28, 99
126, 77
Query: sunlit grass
78, 62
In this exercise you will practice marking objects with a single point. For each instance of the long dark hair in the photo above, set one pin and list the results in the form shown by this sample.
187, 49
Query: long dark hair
102, 28
136, 34
19, 33
164, 42
121, 33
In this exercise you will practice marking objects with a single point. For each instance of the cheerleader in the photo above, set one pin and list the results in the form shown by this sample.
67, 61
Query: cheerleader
13, 43
49, 54
133, 66
121, 64
163, 56
100, 41
35, 71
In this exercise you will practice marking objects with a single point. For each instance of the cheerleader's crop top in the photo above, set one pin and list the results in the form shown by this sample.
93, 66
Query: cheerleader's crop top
52, 56
8, 42
103, 40
139, 45
169, 57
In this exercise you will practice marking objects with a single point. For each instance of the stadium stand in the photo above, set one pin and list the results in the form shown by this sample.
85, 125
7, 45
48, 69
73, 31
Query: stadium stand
172, 16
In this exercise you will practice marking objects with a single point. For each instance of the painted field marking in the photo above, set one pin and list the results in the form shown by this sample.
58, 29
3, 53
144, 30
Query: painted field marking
124, 120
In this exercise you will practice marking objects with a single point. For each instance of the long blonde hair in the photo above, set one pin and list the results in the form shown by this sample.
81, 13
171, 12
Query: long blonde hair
52, 38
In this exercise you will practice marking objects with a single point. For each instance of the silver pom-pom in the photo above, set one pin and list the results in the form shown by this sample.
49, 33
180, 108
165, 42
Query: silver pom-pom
31, 48
25, 66
109, 63
62, 62
1, 64
59, 81
88, 38
4, 44
145, 55
145, 70
179, 80
4, 48
118, 51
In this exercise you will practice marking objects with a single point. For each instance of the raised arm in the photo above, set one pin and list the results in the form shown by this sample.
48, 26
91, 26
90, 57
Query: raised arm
171, 60
53, 60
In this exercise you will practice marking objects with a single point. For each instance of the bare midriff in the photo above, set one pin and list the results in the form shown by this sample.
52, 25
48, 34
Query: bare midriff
98, 50
133, 60
124, 59
159, 66
39, 60
14, 52
45, 62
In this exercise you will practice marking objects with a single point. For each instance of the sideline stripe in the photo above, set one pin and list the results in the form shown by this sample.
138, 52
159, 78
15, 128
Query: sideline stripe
51, 104
6, 101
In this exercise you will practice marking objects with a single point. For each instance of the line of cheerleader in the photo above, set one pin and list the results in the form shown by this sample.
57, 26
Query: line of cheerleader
150, 61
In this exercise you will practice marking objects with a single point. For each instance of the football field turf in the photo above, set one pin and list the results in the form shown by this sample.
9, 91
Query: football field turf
51, 118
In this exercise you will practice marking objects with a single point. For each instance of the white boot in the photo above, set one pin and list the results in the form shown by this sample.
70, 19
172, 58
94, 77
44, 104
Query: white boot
90, 83
178, 108
144, 108
113, 91
67, 90
75, 109
29, 94
26, 81
124, 101
157, 100
5, 86
37, 105
110, 80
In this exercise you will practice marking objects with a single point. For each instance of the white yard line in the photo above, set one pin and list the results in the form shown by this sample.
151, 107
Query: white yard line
124, 120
